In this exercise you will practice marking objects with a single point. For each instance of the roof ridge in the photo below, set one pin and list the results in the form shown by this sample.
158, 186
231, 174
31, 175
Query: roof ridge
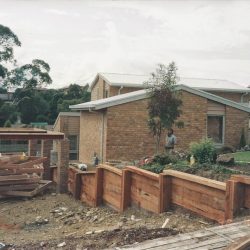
121, 74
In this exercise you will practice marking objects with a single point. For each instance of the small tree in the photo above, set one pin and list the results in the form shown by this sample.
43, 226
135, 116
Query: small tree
164, 101
7, 124
242, 139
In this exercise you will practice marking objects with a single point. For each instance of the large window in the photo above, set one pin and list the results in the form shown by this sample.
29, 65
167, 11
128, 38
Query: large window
215, 128
73, 147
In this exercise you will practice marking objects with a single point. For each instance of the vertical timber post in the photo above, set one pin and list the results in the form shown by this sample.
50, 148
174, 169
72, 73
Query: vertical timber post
32, 147
99, 186
165, 192
46, 147
63, 164
231, 206
125, 190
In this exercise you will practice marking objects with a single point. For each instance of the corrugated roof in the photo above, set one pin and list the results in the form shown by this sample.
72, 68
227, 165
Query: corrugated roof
137, 81
142, 94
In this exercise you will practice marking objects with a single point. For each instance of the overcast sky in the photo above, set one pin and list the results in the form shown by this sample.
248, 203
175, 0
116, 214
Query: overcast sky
208, 39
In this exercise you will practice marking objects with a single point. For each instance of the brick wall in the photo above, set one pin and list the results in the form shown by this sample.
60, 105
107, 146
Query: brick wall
115, 90
127, 131
126, 135
69, 125
91, 127
235, 121
98, 90
194, 116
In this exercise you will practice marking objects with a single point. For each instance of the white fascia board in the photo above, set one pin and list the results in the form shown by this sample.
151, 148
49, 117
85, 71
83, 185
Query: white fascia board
83, 106
121, 101
225, 90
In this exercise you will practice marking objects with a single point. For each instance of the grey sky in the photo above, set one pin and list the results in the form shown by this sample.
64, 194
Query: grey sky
209, 39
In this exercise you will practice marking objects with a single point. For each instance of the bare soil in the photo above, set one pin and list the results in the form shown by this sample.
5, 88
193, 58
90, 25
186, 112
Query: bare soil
45, 221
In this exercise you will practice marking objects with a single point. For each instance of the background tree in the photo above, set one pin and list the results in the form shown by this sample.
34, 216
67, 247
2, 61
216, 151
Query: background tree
30, 76
8, 40
164, 101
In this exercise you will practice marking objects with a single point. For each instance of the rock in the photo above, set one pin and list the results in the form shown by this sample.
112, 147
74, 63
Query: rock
53, 194
225, 159
247, 148
89, 232
120, 224
132, 217
63, 209
2, 245
123, 219
42, 244
63, 244
95, 218
99, 231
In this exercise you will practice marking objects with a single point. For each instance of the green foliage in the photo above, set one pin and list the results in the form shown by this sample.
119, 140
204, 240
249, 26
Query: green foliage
7, 124
164, 102
8, 111
8, 40
164, 159
30, 76
159, 162
204, 151
3, 91
155, 168
242, 139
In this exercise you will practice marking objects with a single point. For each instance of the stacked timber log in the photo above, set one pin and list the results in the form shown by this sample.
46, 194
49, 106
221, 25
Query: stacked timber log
20, 175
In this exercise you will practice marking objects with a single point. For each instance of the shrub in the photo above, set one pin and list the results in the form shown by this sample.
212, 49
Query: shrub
242, 139
203, 152
155, 168
7, 124
164, 159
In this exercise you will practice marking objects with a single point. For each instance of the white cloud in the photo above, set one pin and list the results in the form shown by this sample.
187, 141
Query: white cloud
79, 38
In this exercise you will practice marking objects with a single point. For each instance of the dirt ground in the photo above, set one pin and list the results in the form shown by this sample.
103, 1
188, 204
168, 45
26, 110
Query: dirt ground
46, 221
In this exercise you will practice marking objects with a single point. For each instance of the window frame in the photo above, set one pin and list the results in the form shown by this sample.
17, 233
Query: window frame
223, 128
75, 151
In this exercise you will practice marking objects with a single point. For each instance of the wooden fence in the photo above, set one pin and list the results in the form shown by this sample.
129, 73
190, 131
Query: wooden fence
132, 186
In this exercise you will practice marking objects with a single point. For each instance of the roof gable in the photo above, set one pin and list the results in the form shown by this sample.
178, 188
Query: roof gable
137, 81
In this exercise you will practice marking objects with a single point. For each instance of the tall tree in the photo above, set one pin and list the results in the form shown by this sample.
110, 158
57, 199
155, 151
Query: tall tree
30, 76
164, 101
8, 40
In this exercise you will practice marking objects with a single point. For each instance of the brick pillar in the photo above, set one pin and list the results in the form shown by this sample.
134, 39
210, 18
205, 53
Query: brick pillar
32, 147
46, 147
62, 166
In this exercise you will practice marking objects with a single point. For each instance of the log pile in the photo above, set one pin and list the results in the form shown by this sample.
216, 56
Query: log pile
21, 175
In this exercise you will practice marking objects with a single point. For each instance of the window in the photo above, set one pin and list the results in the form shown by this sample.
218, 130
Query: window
215, 128
73, 147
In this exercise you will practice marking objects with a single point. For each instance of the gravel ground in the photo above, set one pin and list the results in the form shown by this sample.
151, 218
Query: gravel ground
45, 221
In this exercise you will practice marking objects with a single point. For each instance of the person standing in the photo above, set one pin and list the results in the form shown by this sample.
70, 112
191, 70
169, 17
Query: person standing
170, 141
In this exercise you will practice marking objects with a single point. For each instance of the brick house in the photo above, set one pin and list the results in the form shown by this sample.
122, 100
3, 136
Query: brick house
114, 123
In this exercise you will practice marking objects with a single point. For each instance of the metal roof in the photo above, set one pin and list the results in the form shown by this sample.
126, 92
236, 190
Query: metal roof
142, 94
137, 81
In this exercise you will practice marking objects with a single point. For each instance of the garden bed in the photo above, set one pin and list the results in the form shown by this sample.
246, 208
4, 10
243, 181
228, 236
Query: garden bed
211, 171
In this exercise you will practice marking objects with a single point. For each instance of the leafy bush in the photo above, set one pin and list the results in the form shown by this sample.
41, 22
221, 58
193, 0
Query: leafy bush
242, 139
164, 159
7, 124
155, 168
203, 152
